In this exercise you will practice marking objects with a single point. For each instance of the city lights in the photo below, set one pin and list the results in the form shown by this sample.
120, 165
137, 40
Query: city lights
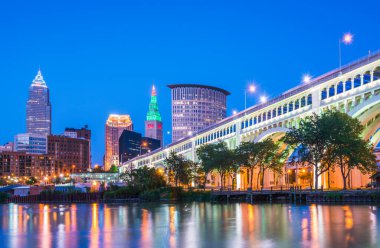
234, 112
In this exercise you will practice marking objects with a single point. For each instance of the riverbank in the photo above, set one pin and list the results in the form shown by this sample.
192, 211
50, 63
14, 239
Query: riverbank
177, 194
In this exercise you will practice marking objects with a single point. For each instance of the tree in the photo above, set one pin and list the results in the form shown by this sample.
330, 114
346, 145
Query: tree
273, 160
315, 134
179, 168
217, 157
113, 169
206, 155
250, 155
348, 150
143, 178
98, 169
31, 181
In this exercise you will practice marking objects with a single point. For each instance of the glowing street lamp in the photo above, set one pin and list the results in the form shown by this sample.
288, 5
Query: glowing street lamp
306, 78
347, 39
251, 89
234, 112
263, 99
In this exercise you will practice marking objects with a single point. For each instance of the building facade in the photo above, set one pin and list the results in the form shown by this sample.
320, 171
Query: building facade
132, 144
7, 147
38, 107
72, 155
195, 107
31, 143
21, 164
153, 123
115, 126
83, 132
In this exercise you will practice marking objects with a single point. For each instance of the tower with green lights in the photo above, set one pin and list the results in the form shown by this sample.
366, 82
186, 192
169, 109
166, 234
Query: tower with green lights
153, 123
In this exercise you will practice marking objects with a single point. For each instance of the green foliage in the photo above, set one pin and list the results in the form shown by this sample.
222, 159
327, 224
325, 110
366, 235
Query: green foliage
332, 138
143, 179
179, 168
31, 181
151, 195
217, 157
113, 169
122, 192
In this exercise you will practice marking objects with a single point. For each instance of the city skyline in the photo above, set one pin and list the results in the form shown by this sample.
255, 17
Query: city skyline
87, 94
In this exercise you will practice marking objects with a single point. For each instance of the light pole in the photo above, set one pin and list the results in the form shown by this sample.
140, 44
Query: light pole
251, 88
346, 39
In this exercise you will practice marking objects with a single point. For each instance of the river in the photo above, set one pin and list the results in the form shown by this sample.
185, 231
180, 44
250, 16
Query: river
189, 225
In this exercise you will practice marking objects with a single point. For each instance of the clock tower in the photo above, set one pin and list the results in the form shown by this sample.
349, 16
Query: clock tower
153, 123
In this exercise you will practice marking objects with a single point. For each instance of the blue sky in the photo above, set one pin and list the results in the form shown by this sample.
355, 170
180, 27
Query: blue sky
101, 57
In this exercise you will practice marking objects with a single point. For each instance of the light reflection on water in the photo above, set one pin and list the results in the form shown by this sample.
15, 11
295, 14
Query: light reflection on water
188, 225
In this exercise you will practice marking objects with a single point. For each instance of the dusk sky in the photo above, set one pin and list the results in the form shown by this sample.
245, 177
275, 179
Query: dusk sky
101, 57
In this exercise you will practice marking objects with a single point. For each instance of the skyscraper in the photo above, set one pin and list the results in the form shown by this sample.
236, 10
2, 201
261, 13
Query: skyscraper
153, 123
115, 126
195, 107
38, 108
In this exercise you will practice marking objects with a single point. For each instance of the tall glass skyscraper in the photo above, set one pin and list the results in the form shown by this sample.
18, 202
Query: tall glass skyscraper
38, 107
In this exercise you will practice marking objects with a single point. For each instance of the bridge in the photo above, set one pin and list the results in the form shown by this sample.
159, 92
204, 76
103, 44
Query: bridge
353, 89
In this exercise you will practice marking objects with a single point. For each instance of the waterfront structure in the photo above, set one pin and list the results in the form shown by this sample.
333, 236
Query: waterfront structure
31, 143
353, 89
38, 107
73, 155
132, 144
153, 122
22, 164
195, 107
92, 177
115, 126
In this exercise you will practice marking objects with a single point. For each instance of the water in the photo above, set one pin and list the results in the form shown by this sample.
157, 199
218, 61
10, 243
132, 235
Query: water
189, 225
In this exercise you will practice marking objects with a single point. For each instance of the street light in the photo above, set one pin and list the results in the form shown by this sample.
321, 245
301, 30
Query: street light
234, 112
306, 78
251, 89
263, 99
347, 39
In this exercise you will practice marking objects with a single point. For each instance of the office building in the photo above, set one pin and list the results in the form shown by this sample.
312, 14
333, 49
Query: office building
38, 107
195, 107
30, 143
115, 126
132, 144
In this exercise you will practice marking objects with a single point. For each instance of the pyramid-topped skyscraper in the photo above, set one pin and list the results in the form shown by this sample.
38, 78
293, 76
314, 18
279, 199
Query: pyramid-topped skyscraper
38, 107
153, 123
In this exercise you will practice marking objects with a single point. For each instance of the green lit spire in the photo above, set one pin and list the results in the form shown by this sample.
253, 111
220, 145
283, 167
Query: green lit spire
153, 114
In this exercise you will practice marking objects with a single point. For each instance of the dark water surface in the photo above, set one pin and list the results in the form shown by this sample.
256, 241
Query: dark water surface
189, 225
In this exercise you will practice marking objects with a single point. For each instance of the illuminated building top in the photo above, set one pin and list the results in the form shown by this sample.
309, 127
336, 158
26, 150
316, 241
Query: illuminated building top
153, 113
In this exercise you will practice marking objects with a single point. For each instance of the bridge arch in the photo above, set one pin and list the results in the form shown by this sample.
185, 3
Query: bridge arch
277, 132
365, 105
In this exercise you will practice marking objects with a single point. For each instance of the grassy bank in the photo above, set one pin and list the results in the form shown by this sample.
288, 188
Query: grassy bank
160, 194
